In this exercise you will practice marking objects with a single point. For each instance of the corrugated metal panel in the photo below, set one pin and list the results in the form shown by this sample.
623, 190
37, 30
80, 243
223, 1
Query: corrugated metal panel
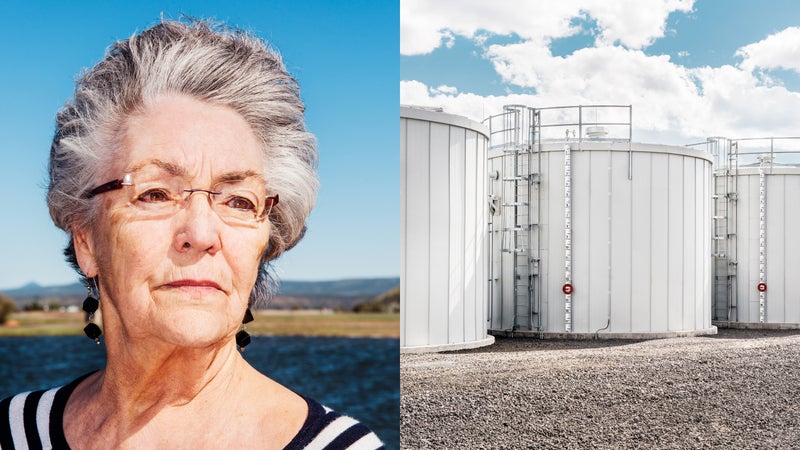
415, 215
792, 243
443, 231
439, 236
641, 246
782, 246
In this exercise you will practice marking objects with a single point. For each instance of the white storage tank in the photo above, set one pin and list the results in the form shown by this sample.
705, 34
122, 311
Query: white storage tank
757, 245
594, 235
443, 256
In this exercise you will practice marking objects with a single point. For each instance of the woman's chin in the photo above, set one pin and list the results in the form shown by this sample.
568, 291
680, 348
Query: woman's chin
197, 329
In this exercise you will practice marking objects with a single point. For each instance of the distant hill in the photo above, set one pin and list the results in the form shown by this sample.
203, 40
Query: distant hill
35, 290
336, 294
387, 302
362, 287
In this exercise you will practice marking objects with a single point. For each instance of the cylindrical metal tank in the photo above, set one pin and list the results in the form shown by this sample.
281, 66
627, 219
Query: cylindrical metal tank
757, 217
443, 256
618, 243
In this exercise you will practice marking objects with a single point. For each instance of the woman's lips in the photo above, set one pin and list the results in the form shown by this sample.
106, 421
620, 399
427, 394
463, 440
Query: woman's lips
193, 284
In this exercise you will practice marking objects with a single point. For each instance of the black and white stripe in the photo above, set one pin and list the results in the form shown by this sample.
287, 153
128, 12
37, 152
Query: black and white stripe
34, 420
346, 432
326, 429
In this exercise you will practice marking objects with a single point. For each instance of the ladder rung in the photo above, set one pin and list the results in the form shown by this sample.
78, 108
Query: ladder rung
516, 204
502, 130
517, 150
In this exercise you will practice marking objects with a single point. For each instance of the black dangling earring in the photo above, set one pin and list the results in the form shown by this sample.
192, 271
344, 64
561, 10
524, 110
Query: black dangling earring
243, 337
90, 305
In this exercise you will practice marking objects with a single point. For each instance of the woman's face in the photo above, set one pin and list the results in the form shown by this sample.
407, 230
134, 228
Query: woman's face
184, 278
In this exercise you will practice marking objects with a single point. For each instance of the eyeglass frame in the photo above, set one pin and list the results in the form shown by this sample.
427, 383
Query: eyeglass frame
126, 180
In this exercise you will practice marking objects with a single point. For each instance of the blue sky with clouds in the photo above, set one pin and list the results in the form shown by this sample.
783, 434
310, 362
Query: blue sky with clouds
691, 69
342, 53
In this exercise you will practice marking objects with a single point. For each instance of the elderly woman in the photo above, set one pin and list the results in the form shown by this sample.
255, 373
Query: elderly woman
180, 170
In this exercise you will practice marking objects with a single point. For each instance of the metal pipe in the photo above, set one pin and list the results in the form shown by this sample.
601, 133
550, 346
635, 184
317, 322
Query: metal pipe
630, 162
734, 148
608, 324
630, 123
630, 139
537, 141
610, 227
490, 227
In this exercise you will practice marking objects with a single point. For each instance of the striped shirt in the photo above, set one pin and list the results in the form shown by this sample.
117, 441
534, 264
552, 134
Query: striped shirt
34, 420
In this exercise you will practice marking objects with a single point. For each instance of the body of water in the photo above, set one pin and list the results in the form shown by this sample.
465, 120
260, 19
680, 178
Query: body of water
356, 376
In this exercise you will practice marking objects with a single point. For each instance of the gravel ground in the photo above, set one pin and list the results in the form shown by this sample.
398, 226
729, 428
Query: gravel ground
738, 389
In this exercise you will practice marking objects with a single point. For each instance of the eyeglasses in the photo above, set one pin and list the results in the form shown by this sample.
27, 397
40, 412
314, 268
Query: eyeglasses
156, 195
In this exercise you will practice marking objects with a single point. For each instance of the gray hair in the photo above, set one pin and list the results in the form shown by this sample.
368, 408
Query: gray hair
208, 62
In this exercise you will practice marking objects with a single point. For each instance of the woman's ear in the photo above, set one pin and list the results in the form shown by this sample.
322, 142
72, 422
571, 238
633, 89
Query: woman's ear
84, 252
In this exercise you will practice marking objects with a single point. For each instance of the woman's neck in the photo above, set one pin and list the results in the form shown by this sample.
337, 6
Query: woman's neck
139, 376
175, 397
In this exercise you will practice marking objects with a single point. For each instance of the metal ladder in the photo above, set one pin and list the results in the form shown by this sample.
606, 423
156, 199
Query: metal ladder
725, 197
520, 203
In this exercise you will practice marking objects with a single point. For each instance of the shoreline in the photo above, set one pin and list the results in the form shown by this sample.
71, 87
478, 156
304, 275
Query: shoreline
308, 323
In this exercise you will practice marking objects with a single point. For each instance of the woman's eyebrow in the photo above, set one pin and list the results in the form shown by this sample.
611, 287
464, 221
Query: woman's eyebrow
169, 167
237, 175
174, 169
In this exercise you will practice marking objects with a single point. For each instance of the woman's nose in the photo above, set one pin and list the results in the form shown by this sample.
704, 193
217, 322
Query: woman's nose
200, 225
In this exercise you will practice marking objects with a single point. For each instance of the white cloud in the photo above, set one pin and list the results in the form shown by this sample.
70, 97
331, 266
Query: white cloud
633, 23
475, 107
671, 103
424, 24
738, 104
444, 89
778, 51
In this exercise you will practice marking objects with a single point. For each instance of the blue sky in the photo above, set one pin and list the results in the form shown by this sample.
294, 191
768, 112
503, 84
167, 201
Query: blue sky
691, 69
344, 56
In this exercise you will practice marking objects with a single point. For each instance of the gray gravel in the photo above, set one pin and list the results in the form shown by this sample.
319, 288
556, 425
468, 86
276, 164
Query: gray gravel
738, 389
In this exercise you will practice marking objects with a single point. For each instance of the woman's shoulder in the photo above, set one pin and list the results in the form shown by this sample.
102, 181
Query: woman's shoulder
326, 428
35, 416
19, 416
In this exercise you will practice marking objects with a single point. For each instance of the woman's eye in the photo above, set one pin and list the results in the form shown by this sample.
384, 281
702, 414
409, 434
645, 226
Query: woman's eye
241, 203
154, 196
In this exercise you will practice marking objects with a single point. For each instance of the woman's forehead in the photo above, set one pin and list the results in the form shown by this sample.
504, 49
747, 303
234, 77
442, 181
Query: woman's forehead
190, 134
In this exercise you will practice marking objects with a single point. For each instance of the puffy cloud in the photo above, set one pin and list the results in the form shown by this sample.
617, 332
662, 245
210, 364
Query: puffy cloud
633, 23
444, 89
426, 24
603, 75
475, 107
778, 51
738, 104
671, 103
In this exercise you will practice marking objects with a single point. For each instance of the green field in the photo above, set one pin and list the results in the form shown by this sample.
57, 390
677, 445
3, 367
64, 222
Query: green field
276, 323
